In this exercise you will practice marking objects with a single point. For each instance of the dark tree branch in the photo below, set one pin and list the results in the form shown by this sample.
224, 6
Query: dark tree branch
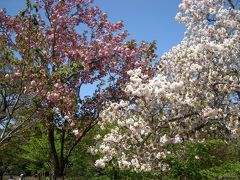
183, 117
87, 129
231, 4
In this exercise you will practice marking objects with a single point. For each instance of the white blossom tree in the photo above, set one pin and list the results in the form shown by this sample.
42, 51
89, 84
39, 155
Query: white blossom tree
195, 94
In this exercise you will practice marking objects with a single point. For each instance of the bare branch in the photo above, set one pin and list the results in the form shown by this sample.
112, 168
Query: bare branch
13, 131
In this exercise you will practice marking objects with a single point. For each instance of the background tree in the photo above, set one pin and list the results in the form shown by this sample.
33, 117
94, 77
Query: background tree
10, 162
36, 152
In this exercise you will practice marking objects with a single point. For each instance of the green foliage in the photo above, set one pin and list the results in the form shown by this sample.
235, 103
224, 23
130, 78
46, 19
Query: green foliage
36, 152
9, 161
226, 170
115, 173
205, 160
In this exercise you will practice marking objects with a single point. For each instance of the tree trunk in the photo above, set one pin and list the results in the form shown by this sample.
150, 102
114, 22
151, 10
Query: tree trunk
59, 177
1, 175
58, 171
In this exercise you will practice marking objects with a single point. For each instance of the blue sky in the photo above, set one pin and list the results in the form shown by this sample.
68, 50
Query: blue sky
147, 20
144, 19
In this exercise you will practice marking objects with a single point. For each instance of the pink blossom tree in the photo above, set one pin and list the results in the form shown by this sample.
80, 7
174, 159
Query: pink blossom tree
55, 47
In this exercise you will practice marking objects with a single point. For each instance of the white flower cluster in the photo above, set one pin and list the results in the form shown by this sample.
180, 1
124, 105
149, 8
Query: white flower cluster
195, 94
